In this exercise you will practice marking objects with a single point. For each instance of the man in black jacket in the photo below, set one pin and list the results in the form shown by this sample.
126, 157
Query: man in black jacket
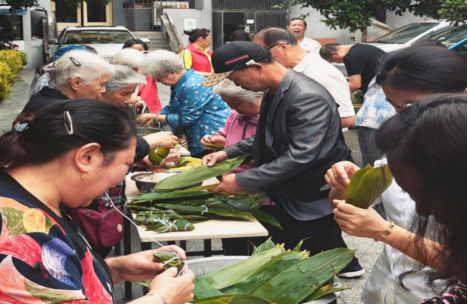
239, 34
298, 137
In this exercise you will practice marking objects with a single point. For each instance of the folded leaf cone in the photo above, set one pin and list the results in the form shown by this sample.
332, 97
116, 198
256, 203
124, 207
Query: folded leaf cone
367, 185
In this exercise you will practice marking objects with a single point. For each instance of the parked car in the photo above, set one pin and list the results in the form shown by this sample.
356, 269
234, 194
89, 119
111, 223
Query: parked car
408, 34
107, 41
450, 37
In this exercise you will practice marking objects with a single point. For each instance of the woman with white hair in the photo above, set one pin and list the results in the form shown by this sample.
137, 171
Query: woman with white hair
193, 110
122, 85
243, 120
77, 74
148, 92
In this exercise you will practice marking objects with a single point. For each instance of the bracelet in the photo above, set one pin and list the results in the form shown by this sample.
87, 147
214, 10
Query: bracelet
387, 232
157, 296
155, 119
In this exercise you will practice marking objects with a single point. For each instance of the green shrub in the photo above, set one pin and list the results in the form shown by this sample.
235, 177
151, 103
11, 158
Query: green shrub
11, 62
5, 85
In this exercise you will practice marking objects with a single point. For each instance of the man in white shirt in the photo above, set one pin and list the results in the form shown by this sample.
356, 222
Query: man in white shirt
285, 49
298, 27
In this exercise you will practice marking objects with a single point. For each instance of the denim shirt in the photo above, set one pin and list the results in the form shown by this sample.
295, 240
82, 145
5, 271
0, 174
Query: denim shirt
376, 109
202, 111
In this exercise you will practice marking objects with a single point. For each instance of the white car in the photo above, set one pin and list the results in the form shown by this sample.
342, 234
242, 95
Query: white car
408, 34
107, 41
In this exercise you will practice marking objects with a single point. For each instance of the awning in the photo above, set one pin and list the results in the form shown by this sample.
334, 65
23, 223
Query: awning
5, 10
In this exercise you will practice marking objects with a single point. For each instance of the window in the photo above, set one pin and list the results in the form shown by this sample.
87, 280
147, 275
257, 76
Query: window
17, 24
96, 37
406, 33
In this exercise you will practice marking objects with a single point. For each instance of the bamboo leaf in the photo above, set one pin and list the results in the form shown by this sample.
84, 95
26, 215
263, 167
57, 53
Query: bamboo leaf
198, 174
299, 281
215, 148
232, 299
160, 196
201, 188
258, 214
325, 290
240, 271
268, 244
353, 184
205, 290
267, 271
371, 185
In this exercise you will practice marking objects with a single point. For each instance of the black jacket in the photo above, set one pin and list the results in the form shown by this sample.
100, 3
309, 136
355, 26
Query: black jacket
49, 96
239, 35
298, 138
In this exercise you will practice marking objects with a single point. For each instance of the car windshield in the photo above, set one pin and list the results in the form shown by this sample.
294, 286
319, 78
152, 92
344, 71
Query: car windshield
406, 33
449, 37
96, 37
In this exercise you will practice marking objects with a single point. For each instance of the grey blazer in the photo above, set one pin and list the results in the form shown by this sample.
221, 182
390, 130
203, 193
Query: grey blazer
298, 138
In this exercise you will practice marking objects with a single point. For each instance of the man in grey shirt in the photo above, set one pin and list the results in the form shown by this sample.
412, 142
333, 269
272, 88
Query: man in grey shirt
298, 138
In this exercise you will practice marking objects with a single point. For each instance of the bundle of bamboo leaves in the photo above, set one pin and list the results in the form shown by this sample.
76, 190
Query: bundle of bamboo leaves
273, 275
180, 209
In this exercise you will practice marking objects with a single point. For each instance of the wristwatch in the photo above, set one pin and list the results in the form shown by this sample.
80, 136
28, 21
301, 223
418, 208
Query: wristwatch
155, 120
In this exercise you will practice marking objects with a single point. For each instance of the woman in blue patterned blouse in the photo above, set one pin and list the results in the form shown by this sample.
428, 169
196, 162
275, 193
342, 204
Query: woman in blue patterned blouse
194, 108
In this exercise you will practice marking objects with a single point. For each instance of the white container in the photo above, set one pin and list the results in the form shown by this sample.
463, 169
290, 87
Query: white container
207, 265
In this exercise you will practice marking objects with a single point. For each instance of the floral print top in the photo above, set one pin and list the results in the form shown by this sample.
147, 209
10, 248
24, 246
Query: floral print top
44, 258
202, 111
456, 295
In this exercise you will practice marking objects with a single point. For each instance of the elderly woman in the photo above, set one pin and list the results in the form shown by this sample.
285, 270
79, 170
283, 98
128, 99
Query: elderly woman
241, 123
148, 92
77, 74
193, 110
44, 257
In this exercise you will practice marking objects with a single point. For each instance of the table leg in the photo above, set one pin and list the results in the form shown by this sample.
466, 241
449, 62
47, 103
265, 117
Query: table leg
183, 245
207, 252
127, 244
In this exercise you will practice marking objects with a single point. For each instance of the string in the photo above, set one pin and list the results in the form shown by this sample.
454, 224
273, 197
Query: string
148, 236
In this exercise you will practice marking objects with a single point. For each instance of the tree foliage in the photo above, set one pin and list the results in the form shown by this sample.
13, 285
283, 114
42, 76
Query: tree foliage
356, 14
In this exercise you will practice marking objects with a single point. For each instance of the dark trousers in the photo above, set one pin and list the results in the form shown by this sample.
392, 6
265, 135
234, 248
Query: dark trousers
318, 235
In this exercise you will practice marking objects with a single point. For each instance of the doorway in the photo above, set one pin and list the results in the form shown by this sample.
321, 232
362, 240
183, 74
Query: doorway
95, 14
230, 23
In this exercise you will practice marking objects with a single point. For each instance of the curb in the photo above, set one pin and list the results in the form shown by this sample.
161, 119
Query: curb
19, 96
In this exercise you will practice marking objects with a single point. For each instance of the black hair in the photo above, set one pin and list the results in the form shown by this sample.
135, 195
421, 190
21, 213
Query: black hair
197, 33
132, 42
327, 50
241, 27
429, 69
297, 18
273, 35
426, 151
46, 138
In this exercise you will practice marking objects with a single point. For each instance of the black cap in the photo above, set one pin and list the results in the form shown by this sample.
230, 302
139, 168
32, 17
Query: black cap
234, 56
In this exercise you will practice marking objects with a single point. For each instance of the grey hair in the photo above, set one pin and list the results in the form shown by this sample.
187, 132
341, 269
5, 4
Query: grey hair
129, 57
124, 76
229, 89
78, 63
273, 35
161, 63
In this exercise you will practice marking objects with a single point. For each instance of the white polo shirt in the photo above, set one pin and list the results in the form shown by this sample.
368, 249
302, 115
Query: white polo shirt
331, 78
310, 45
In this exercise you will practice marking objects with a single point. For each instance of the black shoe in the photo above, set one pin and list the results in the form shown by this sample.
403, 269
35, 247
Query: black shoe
353, 270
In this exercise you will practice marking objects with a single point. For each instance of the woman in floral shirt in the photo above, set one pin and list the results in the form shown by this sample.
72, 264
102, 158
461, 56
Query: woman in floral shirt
67, 154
